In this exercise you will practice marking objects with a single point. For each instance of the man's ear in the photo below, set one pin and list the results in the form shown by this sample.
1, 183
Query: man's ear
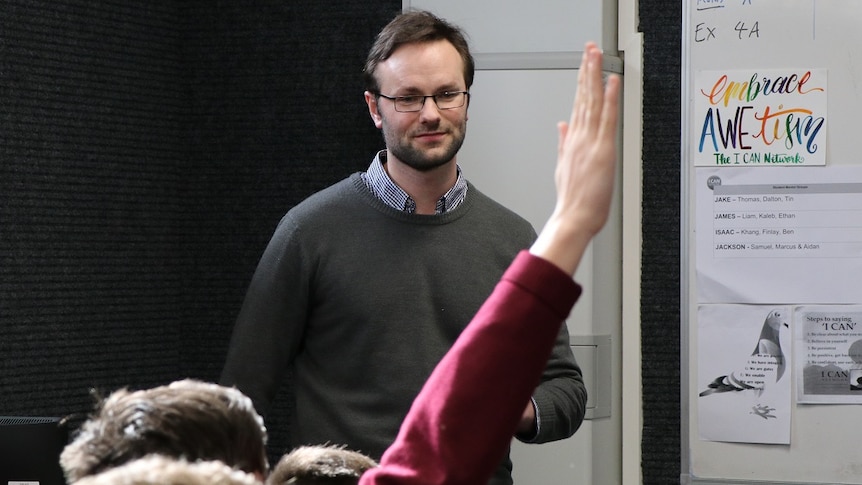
373, 109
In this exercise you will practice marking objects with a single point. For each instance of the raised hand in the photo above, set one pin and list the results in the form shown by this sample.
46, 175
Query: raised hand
586, 162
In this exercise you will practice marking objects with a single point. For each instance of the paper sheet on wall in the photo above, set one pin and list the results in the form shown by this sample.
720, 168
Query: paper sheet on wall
828, 354
778, 235
744, 373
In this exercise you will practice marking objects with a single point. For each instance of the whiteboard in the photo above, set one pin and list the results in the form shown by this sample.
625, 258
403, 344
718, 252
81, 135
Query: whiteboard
762, 35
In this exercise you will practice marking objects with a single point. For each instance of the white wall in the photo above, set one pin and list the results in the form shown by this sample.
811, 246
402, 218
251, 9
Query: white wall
527, 54
510, 154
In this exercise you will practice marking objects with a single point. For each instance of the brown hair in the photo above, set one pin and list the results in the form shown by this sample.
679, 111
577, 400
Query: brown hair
413, 27
186, 419
320, 465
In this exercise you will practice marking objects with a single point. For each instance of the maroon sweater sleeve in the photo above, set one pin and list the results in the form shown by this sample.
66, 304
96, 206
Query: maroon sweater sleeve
462, 421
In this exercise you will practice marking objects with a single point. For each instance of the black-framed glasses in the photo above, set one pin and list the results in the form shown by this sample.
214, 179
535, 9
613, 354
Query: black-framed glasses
415, 102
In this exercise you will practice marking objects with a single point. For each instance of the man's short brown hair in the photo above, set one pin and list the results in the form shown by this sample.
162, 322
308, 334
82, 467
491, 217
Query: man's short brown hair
414, 27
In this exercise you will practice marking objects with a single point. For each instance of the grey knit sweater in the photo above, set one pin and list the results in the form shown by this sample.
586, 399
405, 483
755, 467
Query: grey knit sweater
362, 301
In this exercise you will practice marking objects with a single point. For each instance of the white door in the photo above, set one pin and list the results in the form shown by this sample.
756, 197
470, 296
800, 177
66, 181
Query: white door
510, 155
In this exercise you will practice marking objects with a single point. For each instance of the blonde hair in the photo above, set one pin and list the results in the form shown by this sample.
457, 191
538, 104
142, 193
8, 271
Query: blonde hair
162, 470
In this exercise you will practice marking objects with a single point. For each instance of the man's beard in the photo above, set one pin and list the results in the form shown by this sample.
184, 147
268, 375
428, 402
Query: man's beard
421, 160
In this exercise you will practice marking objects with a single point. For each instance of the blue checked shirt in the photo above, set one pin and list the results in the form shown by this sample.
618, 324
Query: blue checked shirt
391, 194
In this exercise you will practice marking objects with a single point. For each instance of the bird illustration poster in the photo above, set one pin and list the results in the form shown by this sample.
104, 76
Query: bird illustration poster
828, 354
743, 368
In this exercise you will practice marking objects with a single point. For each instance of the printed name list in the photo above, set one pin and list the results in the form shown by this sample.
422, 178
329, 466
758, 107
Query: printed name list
787, 221
771, 234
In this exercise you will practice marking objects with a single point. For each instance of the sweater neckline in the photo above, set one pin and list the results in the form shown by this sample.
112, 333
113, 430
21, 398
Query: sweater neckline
372, 200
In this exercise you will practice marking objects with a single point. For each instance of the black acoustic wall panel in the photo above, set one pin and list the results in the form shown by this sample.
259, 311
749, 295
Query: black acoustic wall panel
92, 110
661, 24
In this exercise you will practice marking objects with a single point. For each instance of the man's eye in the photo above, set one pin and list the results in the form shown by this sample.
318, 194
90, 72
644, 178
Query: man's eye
447, 96
408, 99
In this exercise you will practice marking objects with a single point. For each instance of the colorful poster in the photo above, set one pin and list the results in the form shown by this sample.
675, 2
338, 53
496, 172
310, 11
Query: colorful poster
759, 117
828, 354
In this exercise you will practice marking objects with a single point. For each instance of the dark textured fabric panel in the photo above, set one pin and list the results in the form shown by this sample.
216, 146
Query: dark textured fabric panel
90, 158
660, 22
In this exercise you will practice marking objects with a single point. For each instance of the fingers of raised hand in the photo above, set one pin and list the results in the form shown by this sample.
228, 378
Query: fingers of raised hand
589, 96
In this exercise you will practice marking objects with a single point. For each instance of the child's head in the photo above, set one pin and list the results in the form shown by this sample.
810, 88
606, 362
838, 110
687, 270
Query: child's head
320, 465
186, 419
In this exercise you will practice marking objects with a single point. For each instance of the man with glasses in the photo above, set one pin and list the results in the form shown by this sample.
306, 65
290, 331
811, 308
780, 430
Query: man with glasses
366, 284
